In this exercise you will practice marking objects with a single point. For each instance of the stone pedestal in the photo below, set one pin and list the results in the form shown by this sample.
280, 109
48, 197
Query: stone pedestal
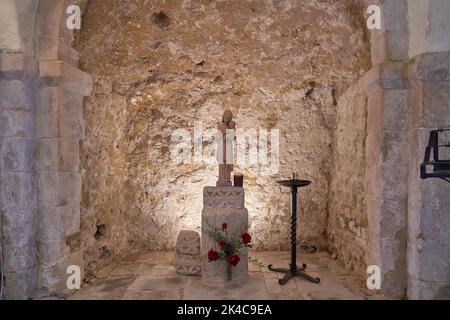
187, 258
223, 205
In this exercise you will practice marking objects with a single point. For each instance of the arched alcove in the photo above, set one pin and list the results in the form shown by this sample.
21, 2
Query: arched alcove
162, 67
85, 181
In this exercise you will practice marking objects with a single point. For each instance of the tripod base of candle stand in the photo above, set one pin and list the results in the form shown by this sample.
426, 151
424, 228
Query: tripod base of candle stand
293, 273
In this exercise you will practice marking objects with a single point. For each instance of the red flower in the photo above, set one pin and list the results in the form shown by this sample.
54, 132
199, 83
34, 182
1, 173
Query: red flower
213, 255
234, 260
224, 226
222, 244
246, 238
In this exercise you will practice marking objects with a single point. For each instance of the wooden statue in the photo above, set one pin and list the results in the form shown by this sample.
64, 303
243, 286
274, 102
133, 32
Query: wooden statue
225, 149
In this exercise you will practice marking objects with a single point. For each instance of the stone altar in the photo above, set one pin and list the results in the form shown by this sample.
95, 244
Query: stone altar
223, 205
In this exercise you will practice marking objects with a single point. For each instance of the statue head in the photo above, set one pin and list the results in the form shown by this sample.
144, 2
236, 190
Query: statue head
227, 116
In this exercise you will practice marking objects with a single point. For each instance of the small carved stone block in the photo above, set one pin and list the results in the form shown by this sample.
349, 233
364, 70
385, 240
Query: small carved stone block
187, 258
188, 242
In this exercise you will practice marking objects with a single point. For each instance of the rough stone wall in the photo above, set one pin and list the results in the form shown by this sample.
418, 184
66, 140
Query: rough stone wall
347, 225
161, 66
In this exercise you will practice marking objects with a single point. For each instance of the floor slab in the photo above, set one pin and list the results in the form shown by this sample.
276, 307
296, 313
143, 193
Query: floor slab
152, 276
252, 288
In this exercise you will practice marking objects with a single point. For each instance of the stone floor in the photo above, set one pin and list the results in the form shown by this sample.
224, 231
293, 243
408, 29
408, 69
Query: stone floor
152, 276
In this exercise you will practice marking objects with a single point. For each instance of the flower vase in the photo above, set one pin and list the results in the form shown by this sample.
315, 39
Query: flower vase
229, 272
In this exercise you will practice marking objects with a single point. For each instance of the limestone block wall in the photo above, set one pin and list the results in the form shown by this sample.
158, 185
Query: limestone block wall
375, 227
368, 205
429, 200
386, 177
428, 260
367, 222
18, 201
41, 123
406, 98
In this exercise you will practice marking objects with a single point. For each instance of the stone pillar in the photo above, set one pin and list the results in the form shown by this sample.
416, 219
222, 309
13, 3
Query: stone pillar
378, 223
223, 205
60, 128
187, 255
407, 97
41, 92
18, 184
386, 177
386, 88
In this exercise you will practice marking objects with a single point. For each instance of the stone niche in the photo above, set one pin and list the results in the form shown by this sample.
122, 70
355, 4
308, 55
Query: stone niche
151, 78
